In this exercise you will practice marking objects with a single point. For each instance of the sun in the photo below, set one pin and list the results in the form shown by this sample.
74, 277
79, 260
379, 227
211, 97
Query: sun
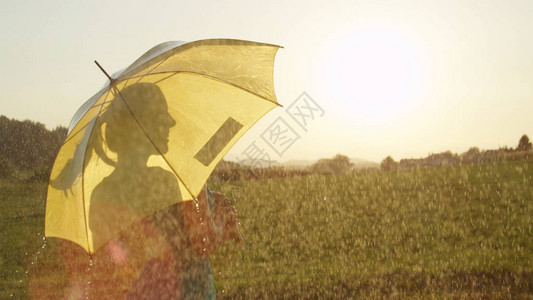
373, 72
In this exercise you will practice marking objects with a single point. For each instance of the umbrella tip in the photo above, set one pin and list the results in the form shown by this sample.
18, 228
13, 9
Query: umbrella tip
102, 69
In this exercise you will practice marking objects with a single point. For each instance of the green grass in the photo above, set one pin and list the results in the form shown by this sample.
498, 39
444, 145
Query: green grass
447, 232
465, 230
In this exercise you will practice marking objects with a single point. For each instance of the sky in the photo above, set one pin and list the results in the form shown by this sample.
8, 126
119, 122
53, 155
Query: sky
400, 78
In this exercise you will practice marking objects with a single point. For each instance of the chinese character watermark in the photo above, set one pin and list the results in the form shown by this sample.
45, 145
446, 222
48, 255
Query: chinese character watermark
280, 135
255, 156
303, 110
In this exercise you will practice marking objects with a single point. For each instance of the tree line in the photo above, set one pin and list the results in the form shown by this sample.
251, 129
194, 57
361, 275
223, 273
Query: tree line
229, 171
28, 149
473, 156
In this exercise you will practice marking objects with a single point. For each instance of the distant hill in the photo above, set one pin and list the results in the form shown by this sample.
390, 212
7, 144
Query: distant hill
363, 164
295, 164
302, 164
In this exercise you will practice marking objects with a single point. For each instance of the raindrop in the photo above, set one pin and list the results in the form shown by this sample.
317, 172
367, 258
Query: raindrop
88, 279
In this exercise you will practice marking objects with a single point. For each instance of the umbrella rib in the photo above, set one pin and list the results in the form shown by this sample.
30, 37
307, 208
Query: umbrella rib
151, 142
157, 65
73, 134
83, 179
212, 78
166, 77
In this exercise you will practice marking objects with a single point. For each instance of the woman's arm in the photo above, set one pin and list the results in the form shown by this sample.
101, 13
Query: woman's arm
209, 229
226, 216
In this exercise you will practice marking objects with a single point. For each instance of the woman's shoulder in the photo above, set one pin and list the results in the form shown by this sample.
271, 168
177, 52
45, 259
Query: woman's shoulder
162, 174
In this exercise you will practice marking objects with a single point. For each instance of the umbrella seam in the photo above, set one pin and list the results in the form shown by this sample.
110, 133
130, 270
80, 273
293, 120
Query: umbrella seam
166, 77
212, 78
83, 180
72, 135
141, 77
205, 42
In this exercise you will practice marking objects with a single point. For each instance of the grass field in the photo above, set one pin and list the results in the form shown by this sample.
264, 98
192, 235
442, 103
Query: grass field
446, 232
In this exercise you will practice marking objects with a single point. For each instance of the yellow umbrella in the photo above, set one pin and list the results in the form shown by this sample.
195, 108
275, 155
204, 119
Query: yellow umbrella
154, 134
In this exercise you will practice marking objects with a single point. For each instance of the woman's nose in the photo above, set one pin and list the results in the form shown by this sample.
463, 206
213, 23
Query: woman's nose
171, 122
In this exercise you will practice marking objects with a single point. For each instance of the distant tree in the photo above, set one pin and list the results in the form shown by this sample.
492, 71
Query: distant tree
28, 147
524, 144
473, 155
442, 159
389, 164
321, 166
341, 164
336, 165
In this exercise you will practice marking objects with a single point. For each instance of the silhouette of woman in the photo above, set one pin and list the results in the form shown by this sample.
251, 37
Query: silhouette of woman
163, 256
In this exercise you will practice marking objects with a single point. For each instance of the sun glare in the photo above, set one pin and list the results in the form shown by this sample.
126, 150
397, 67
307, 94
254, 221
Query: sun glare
373, 72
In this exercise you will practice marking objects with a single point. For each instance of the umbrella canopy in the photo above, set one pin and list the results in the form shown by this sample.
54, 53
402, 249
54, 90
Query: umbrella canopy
153, 135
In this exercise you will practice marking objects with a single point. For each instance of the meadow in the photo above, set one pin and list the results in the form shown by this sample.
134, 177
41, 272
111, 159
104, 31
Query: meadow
460, 232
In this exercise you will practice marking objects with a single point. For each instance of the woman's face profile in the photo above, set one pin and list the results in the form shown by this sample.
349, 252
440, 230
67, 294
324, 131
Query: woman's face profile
160, 126
149, 108
158, 123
